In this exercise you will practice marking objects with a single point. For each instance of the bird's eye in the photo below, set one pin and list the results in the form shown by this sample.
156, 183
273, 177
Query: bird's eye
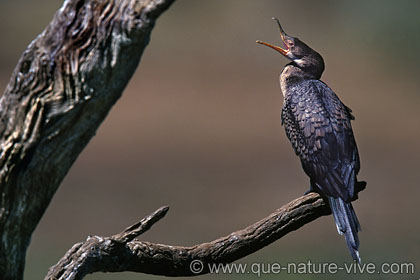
290, 43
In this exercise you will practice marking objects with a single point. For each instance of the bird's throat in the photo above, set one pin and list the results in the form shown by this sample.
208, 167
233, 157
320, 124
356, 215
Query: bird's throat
291, 75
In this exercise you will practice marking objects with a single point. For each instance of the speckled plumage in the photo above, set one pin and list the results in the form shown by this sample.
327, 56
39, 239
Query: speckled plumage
318, 126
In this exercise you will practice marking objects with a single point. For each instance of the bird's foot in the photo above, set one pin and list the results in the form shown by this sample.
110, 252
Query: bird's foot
358, 187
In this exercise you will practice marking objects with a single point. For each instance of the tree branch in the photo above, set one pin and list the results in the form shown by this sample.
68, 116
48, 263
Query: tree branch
63, 87
120, 253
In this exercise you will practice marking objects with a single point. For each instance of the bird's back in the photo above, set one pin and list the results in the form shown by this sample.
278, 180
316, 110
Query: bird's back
318, 125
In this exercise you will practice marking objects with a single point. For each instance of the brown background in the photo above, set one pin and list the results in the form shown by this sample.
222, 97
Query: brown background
198, 128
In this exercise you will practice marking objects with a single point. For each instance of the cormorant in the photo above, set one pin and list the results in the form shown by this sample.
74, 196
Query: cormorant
318, 125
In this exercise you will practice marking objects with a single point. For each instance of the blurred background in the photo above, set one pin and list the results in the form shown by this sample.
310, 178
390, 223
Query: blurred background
198, 128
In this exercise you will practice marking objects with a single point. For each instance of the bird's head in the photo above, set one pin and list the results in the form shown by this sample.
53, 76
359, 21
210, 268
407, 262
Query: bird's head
299, 53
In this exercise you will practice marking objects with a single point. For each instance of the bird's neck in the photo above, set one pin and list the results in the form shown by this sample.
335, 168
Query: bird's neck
291, 75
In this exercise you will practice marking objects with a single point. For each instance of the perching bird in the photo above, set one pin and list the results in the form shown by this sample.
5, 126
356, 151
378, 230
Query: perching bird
318, 125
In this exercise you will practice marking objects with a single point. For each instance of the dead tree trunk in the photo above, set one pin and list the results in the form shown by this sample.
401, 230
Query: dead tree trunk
61, 90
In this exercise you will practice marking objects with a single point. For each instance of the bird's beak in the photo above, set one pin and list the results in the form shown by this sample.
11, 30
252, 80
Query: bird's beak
283, 35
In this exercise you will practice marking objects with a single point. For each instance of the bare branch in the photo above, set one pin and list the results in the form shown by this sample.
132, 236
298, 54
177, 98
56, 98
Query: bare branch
118, 253
144, 225
80, 259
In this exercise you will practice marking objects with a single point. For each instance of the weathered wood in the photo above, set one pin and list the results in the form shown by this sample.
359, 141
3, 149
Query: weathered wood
119, 253
61, 90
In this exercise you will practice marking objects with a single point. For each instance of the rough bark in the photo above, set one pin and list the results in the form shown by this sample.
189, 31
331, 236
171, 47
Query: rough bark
121, 253
61, 90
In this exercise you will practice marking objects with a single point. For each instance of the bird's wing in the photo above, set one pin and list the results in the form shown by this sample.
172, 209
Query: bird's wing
318, 126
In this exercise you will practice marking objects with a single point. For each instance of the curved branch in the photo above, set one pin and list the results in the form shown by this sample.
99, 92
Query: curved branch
120, 253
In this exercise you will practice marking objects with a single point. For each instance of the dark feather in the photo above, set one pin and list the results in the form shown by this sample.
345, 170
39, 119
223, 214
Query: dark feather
318, 125
323, 139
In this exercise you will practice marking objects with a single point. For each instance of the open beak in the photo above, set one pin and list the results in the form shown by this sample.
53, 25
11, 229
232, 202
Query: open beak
284, 51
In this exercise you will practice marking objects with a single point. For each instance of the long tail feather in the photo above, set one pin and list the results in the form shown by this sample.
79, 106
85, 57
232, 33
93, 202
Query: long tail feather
346, 221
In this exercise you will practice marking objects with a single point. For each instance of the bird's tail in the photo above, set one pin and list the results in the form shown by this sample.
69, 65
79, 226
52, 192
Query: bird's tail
347, 224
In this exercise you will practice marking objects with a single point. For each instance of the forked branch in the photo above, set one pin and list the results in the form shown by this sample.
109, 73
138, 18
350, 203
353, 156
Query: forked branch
121, 253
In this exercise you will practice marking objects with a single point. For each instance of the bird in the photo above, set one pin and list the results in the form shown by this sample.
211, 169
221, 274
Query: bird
318, 125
